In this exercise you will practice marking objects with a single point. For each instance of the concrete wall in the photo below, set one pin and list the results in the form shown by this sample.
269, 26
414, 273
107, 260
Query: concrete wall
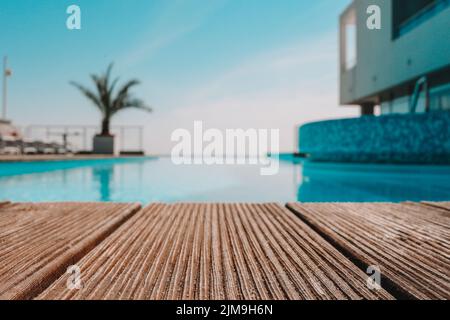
412, 138
384, 62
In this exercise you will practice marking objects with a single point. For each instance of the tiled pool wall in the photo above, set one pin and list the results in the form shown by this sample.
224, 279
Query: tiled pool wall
401, 138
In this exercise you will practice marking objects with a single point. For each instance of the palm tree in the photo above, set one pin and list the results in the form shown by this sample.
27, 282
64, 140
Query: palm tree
109, 103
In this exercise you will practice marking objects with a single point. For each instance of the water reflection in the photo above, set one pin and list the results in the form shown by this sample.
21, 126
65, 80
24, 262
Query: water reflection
104, 178
364, 183
160, 180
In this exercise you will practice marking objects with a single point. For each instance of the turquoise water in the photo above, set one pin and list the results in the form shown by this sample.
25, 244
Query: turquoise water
146, 180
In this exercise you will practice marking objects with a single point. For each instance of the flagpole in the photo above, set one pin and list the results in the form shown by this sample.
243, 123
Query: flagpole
5, 61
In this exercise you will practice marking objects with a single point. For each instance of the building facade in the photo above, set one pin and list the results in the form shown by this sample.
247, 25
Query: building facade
404, 67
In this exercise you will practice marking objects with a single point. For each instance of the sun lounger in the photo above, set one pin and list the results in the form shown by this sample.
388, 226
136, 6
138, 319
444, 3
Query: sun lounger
9, 145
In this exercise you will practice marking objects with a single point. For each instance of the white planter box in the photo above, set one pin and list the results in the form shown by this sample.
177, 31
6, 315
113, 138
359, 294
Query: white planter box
104, 145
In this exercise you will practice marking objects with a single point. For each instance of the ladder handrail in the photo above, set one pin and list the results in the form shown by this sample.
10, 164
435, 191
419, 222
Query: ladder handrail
421, 83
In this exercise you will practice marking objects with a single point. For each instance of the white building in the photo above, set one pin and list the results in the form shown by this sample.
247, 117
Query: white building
382, 67
7, 130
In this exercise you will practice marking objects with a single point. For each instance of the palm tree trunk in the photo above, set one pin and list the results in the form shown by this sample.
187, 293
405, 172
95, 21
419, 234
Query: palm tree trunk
105, 127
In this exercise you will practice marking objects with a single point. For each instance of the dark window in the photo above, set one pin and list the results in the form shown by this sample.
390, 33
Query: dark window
408, 14
406, 9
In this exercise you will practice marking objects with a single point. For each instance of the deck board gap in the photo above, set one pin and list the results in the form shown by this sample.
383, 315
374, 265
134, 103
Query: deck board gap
397, 292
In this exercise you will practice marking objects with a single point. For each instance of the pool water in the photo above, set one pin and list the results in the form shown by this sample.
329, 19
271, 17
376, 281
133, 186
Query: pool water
145, 180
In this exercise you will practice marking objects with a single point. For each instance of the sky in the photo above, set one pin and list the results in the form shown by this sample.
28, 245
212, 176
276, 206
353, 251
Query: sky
230, 63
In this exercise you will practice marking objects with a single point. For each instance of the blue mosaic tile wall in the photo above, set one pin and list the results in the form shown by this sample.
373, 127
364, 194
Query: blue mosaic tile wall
398, 138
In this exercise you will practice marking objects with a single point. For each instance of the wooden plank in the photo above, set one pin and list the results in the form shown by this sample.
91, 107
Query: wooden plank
39, 241
410, 244
215, 251
3, 203
442, 205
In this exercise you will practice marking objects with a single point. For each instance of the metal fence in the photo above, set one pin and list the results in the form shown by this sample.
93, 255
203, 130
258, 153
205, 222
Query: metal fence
79, 137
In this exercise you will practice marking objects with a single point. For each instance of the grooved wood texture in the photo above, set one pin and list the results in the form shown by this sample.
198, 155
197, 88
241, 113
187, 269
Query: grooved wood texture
3, 203
39, 241
443, 205
215, 251
409, 242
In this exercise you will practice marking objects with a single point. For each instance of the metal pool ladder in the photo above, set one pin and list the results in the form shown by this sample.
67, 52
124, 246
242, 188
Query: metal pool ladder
422, 83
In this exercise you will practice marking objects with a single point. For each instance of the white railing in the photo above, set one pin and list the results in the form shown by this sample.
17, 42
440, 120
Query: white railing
79, 137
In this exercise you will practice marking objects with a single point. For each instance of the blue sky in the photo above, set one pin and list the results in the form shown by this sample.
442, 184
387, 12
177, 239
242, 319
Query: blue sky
230, 63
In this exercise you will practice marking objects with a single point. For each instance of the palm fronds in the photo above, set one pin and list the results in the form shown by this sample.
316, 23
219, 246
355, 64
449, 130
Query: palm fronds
106, 101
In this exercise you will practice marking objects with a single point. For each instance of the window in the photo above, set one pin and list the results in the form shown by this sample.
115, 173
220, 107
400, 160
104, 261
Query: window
439, 101
396, 106
408, 14
349, 33
400, 105
386, 108
440, 98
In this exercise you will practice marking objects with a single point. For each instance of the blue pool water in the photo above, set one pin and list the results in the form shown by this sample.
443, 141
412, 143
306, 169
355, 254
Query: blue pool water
146, 180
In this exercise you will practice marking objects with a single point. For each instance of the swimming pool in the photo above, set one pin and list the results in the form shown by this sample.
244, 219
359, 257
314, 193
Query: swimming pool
146, 180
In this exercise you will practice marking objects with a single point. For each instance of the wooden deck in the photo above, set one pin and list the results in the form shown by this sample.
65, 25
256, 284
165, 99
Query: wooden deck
39, 241
224, 251
410, 243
